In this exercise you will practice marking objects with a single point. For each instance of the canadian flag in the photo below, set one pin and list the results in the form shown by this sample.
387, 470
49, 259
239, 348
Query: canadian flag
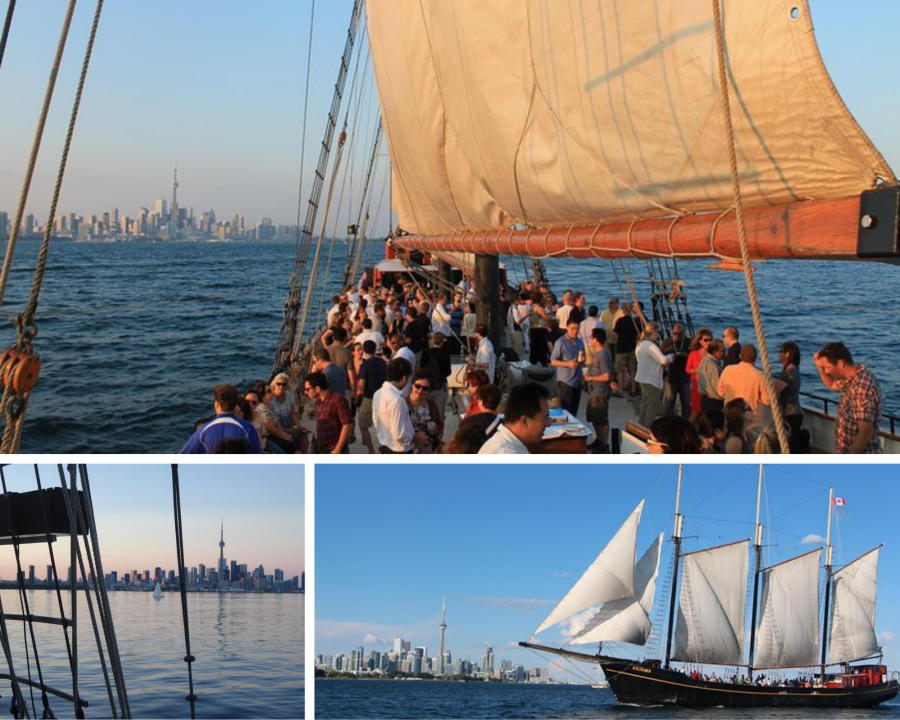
840, 501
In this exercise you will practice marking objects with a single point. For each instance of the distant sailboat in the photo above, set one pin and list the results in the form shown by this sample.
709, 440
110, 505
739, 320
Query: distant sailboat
157, 594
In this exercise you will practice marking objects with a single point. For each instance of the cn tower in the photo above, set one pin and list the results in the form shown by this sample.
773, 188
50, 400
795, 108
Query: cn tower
222, 554
443, 626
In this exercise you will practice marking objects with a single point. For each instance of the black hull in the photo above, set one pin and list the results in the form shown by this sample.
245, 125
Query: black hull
638, 684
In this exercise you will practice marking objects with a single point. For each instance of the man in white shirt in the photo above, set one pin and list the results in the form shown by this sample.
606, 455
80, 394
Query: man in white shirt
517, 324
334, 311
390, 411
586, 329
400, 349
484, 355
562, 313
369, 334
527, 416
440, 318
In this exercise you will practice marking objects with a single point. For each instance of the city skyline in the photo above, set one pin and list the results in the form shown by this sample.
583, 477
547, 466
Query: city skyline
233, 119
151, 221
511, 547
262, 506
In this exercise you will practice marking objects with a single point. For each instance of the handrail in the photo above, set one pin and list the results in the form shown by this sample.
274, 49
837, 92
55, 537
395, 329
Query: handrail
886, 418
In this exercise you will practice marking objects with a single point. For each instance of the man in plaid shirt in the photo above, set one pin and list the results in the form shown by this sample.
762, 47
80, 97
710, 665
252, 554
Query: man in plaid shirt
859, 410
333, 419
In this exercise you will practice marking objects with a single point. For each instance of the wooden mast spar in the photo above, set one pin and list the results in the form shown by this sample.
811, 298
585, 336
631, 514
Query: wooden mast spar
856, 228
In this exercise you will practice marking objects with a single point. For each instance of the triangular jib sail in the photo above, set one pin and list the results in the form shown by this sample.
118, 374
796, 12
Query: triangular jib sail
627, 620
610, 577
788, 628
854, 586
710, 624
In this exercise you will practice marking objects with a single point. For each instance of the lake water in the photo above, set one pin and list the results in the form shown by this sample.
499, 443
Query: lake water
249, 650
422, 700
134, 336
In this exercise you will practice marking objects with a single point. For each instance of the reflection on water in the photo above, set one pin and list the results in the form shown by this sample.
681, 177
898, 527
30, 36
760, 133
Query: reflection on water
249, 651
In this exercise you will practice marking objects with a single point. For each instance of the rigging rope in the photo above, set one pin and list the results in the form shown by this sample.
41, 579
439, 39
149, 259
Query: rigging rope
347, 179
28, 627
288, 340
62, 613
109, 629
35, 148
179, 549
742, 230
312, 17
15, 407
10, 9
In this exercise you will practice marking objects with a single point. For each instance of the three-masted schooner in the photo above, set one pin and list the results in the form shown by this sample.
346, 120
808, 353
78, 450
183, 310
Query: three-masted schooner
710, 587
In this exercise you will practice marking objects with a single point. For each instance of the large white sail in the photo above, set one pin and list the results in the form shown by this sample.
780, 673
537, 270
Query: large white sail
610, 577
788, 629
567, 112
710, 625
627, 620
853, 592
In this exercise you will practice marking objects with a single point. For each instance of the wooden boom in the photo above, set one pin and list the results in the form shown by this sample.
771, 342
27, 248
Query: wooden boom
857, 228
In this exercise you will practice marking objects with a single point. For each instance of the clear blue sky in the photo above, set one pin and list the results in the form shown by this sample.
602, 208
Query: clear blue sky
504, 544
218, 84
262, 506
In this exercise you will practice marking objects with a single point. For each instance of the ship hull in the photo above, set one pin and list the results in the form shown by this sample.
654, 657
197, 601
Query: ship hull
639, 684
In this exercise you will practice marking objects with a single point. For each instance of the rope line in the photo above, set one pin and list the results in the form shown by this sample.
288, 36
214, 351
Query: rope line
105, 614
91, 552
179, 549
742, 230
35, 148
62, 614
10, 9
26, 329
28, 627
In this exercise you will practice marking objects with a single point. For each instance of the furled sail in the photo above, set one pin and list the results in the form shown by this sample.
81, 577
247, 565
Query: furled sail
563, 113
853, 591
610, 577
788, 629
627, 620
710, 624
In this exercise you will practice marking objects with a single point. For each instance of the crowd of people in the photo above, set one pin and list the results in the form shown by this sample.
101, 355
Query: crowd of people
381, 373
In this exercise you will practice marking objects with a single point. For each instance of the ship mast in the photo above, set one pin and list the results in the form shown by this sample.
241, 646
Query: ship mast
828, 558
757, 544
676, 537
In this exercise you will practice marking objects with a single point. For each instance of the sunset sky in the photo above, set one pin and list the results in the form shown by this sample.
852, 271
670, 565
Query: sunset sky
262, 507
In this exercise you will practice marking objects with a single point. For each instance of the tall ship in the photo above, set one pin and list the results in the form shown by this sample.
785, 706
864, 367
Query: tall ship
643, 133
840, 667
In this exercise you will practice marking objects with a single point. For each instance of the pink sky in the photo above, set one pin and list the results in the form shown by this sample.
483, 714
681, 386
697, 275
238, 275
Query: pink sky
262, 506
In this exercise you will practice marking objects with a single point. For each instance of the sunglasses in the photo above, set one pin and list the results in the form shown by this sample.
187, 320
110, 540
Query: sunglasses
705, 339
280, 384
423, 388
